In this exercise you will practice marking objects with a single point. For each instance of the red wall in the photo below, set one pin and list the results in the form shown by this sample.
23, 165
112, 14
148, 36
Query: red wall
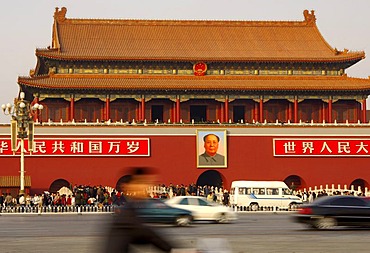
249, 158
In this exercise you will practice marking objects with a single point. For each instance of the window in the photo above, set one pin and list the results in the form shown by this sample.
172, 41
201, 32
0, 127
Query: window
238, 113
158, 204
193, 201
184, 202
348, 202
232, 191
242, 191
272, 191
157, 113
198, 113
259, 191
202, 202
287, 191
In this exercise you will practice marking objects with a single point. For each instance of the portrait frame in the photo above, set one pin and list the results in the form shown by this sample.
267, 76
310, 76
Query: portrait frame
221, 152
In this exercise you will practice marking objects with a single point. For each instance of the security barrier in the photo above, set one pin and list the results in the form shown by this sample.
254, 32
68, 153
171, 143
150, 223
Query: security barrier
264, 209
57, 209
110, 209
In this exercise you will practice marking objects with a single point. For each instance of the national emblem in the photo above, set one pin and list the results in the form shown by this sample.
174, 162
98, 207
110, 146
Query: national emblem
200, 69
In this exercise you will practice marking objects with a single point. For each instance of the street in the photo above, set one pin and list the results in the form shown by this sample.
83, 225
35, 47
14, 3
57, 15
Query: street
253, 232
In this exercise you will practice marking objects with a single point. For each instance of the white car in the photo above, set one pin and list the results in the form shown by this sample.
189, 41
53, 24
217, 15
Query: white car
202, 209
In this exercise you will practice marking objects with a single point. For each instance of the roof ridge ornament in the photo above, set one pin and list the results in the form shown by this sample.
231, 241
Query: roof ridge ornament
310, 18
60, 16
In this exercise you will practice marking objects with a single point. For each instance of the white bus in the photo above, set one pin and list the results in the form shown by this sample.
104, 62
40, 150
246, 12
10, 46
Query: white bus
255, 194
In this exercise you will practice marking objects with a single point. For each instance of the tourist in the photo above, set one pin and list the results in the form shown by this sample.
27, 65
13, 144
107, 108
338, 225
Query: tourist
127, 227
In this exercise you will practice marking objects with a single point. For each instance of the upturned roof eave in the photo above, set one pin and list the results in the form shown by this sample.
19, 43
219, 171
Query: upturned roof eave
52, 55
364, 86
190, 77
219, 90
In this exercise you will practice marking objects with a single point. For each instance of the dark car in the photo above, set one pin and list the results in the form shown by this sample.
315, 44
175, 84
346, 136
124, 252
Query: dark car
156, 211
331, 211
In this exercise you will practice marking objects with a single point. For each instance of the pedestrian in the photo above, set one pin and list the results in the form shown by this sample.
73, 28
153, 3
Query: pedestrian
35, 200
63, 200
127, 227
182, 190
2, 200
225, 198
69, 200
22, 200
304, 197
115, 199
311, 197
200, 191
8, 200
206, 190
210, 197
78, 198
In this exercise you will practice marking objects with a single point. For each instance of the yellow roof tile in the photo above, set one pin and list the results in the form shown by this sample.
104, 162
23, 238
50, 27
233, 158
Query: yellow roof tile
196, 83
104, 39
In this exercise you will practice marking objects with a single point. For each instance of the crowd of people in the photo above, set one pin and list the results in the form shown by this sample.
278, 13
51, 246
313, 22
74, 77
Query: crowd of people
77, 196
84, 195
212, 193
310, 196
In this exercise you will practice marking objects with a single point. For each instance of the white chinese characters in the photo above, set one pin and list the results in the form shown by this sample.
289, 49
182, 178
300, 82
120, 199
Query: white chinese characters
82, 147
321, 147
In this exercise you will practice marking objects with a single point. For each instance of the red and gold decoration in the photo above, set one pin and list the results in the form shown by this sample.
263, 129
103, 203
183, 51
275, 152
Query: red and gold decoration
200, 69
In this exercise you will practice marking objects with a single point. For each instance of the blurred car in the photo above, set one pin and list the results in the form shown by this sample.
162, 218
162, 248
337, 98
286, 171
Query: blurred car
202, 209
156, 211
331, 211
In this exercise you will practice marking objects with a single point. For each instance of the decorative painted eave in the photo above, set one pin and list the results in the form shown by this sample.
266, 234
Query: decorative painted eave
211, 83
345, 59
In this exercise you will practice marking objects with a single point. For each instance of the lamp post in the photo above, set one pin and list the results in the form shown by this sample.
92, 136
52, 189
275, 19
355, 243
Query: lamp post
22, 127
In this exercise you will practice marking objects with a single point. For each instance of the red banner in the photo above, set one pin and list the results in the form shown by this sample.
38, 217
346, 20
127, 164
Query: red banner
322, 147
81, 147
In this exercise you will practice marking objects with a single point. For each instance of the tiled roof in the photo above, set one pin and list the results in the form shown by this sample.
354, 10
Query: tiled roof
194, 40
195, 83
14, 181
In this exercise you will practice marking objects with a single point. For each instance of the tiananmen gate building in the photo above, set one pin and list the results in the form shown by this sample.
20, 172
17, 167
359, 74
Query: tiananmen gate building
121, 93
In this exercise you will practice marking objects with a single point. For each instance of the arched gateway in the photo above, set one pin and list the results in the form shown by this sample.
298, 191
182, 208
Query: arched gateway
122, 180
211, 178
295, 182
57, 184
359, 183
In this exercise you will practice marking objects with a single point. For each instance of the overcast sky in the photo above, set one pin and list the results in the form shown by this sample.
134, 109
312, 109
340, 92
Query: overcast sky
27, 24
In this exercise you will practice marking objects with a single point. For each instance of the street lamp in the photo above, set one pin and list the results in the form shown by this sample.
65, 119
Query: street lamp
22, 127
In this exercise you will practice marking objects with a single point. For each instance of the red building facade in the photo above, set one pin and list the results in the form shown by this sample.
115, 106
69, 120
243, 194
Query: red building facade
277, 89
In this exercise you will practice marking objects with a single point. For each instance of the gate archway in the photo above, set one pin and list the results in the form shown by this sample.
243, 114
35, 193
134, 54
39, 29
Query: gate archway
211, 178
122, 180
57, 184
359, 183
295, 182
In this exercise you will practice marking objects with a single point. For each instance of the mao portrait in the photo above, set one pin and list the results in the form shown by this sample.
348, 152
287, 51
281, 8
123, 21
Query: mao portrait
211, 149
